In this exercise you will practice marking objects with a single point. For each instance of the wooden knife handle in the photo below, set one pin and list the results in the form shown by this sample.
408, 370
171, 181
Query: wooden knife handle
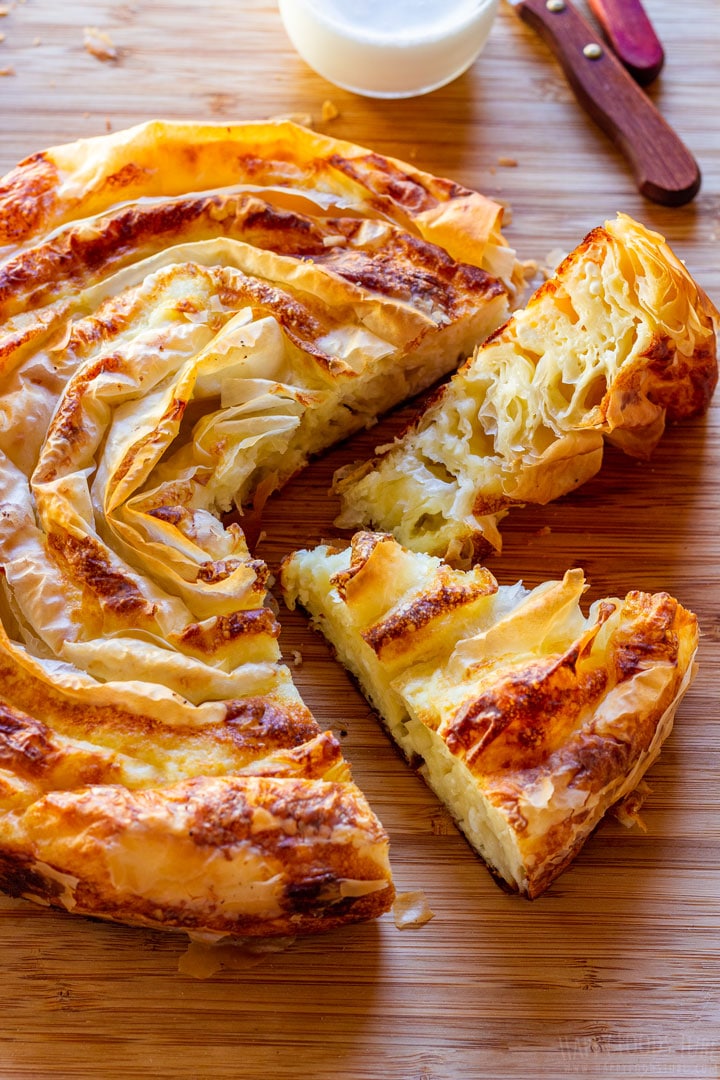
631, 35
664, 169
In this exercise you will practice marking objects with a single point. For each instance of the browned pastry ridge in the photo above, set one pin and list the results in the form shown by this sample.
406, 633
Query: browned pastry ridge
188, 312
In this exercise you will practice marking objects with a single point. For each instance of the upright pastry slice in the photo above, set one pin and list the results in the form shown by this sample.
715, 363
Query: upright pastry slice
618, 342
526, 717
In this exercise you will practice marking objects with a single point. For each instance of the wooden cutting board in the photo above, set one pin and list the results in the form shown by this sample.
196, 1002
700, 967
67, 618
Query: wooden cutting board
614, 972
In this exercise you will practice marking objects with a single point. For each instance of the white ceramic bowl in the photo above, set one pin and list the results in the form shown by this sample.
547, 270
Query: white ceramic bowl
389, 48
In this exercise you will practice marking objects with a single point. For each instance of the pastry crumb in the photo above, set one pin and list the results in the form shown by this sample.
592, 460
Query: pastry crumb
329, 110
99, 44
4, 10
442, 824
507, 162
411, 910
627, 811
202, 959
544, 530
552, 261
304, 119
297, 658
2, 37
7, 71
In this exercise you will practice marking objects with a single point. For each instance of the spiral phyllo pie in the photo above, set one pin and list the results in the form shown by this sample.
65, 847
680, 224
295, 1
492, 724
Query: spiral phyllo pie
187, 314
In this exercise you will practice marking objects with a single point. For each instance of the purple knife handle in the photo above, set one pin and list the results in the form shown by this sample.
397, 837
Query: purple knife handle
631, 35
664, 169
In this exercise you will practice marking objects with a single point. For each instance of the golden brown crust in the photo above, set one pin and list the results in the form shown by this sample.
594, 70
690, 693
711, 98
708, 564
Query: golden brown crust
238, 732
448, 592
362, 546
302, 834
28, 196
166, 160
92, 831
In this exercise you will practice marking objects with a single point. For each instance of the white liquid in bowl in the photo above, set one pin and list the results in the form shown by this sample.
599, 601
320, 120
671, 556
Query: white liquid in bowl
389, 48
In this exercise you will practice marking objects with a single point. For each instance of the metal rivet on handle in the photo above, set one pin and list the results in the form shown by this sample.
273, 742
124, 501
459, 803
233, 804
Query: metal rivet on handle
555, 5
593, 51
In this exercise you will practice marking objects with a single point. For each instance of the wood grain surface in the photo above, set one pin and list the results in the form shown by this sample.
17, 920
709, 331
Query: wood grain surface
615, 972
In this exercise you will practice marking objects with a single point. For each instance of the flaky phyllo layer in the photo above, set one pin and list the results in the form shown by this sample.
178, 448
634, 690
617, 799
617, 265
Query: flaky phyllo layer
526, 717
618, 342
187, 314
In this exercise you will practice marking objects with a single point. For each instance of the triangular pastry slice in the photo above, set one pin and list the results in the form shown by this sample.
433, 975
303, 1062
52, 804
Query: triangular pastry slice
528, 718
618, 342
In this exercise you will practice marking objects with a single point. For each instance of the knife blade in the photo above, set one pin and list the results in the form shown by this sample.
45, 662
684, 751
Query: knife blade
631, 35
664, 169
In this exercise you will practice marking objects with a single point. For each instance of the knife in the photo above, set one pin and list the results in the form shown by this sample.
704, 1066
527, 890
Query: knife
631, 35
664, 169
